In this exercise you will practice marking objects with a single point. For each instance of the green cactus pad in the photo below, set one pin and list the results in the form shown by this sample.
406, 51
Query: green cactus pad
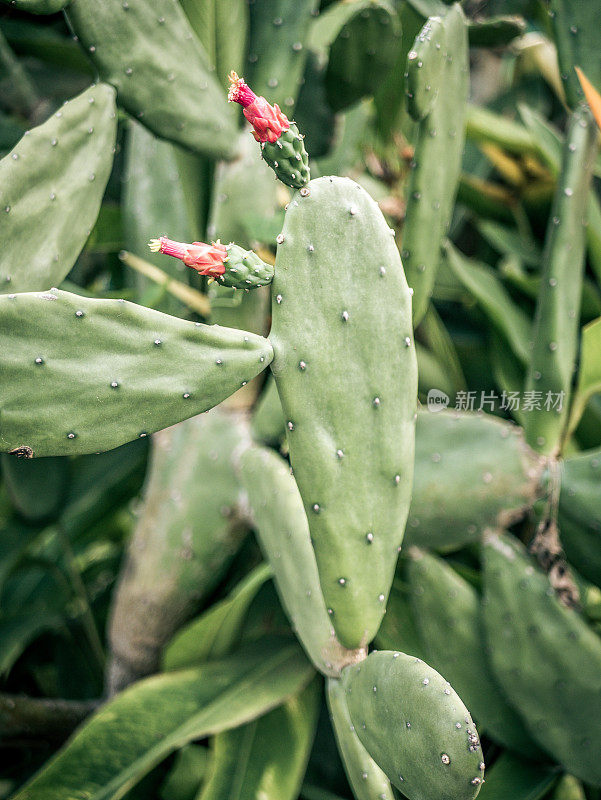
277, 48
496, 31
345, 369
84, 375
576, 29
545, 657
37, 6
580, 513
245, 270
472, 471
555, 333
364, 775
147, 50
184, 539
283, 534
425, 67
363, 51
288, 158
51, 187
153, 203
414, 726
268, 425
447, 613
245, 195
439, 147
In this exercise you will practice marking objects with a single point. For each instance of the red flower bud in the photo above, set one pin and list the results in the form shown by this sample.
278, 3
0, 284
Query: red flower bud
206, 259
268, 121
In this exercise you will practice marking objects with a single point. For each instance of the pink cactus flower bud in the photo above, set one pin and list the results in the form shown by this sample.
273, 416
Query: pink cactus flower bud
206, 259
268, 121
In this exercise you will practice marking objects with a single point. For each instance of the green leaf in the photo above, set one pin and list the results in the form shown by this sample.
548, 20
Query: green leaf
101, 482
18, 630
36, 488
589, 375
513, 777
189, 769
267, 758
51, 187
84, 375
510, 242
140, 727
213, 634
482, 283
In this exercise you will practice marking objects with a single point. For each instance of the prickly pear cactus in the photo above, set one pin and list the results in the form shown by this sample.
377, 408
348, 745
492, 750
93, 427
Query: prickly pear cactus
137, 47
437, 87
447, 613
562, 703
472, 472
341, 310
126, 362
51, 187
429, 747
292, 558
185, 538
555, 332
364, 775
580, 513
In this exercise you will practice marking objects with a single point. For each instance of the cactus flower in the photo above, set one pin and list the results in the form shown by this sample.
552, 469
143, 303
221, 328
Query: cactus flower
206, 259
268, 121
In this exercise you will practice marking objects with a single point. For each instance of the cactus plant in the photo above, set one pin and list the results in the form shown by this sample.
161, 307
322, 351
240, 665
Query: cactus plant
437, 88
136, 48
356, 439
559, 708
188, 533
140, 359
57, 196
447, 612
555, 341
432, 747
